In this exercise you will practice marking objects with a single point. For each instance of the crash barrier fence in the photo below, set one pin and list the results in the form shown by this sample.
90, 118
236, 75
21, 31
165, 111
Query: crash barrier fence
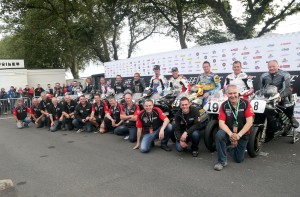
7, 106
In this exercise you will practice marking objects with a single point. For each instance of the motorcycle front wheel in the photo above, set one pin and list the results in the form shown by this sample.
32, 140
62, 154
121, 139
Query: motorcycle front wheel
255, 141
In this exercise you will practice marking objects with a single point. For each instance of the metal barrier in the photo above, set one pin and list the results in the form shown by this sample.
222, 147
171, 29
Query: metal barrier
7, 106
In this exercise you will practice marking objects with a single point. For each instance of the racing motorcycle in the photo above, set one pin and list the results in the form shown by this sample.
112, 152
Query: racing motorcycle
270, 120
212, 108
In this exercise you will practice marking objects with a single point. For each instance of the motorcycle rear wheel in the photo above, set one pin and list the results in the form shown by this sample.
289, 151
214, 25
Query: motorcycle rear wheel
255, 143
209, 135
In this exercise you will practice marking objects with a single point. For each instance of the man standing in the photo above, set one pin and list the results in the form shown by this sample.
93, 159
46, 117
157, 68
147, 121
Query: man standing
188, 123
235, 121
129, 114
158, 82
138, 85
49, 90
38, 90
11, 94
119, 86
112, 119
68, 110
36, 115
82, 115
103, 86
21, 114
241, 80
280, 79
154, 124
209, 81
58, 90
99, 109
76, 88
178, 82
56, 117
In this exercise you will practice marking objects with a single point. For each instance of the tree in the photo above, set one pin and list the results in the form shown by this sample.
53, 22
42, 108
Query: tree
185, 18
265, 13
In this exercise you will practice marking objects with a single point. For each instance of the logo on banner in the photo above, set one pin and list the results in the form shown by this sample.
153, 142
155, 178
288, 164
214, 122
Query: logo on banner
285, 43
285, 49
257, 51
257, 67
270, 56
223, 55
284, 60
257, 57
245, 48
197, 54
245, 53
245, 63
284, 66
245, 57
235, 49
271, 45
292, 79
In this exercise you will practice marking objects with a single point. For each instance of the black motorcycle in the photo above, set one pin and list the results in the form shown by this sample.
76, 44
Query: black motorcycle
270, 120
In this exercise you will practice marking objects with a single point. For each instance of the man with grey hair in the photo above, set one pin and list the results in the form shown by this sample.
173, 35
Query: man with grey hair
44, 106
280, 79
235, 121
68, 109
36, 115
20, 114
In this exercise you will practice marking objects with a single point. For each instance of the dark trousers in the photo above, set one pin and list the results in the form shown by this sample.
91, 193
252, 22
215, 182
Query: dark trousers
125, 130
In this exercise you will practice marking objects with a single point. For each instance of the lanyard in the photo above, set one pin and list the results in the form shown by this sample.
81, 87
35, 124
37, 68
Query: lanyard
235, 114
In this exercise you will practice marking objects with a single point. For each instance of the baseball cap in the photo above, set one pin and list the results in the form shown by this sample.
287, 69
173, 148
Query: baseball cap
156, 67
174, 69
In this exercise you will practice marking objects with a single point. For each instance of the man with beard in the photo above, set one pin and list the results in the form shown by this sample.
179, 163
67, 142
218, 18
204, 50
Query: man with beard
68, 110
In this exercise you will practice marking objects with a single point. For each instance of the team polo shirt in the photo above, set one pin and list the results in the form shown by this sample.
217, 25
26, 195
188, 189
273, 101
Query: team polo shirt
81, 112
36, 111
245, 111
21, 112
115, 112
69, 108
154, 120
134, 110
99, 110
56, 111
44, 105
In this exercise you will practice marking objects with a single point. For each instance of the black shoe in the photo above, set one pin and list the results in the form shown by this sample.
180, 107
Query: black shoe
294, 122
166, 148
195, 153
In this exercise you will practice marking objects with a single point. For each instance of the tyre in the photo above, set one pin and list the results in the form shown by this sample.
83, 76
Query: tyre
255, 141
209, 135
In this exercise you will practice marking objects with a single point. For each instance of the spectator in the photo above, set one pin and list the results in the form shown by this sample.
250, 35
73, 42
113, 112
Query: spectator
38, 90
49, 90
11, 94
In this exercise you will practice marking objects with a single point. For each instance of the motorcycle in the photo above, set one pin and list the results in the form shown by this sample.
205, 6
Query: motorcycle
212, 108
270, 120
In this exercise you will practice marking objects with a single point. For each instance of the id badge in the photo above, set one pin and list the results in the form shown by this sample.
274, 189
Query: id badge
150, 130
127, 121
99, 116
235, 128
56, 117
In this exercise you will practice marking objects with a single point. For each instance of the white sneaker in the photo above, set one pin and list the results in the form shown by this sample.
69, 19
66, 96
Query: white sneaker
79, 130
219, 166
126, 137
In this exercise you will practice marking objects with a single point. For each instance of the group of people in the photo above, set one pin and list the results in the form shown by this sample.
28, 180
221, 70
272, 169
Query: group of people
143, 126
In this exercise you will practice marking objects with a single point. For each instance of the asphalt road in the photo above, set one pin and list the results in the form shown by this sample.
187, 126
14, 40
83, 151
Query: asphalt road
66, 164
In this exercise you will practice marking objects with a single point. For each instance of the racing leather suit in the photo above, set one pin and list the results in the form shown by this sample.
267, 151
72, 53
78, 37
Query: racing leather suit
243, 83
158, 84
210, 83
179, 84
281, 80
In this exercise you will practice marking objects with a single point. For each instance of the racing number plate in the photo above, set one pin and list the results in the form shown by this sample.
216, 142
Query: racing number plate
258, 106
212, 107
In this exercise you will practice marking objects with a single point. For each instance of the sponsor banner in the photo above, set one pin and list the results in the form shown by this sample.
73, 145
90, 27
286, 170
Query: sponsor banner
253, 54
11, 64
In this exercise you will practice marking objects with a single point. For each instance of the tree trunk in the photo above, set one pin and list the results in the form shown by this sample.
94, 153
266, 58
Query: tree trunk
180, 29
114, 44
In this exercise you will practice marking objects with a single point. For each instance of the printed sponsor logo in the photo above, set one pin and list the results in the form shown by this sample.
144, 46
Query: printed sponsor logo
223, 64
235, 49
292, 78
285, 49
285, 43
245, 57
257, 67
245, 63
223, 55
284, 60
197, 54
283, 55
256, 47
214, 52
270, 56
284, 66
223, 50
271, 45
270, 50
234, 59
245, 48
257, 52
245, 53
257, 57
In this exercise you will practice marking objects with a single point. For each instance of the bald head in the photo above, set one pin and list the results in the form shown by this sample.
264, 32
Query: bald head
54, 101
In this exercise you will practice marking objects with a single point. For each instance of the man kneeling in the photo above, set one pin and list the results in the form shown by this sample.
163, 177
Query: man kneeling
21, 114
235, 121
188, 123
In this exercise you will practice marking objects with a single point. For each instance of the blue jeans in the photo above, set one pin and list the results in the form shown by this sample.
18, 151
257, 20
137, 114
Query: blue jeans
194, 138
124, 130
57, 125
150, 137
237, 153
25, 121
79, 124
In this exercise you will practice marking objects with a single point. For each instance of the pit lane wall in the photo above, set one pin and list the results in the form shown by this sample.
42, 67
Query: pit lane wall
253, 53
